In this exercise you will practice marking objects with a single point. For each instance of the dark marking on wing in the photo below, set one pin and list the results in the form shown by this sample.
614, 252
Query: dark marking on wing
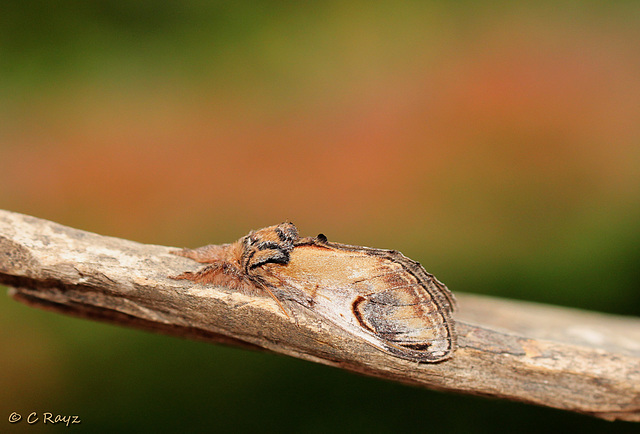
355, 308
417, 347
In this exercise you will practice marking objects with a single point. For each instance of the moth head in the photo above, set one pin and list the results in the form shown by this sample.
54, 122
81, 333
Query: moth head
268, 245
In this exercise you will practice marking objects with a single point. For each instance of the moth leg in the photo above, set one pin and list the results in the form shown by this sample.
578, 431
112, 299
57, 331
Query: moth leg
221, 274
272, 295
209, 274
206, 255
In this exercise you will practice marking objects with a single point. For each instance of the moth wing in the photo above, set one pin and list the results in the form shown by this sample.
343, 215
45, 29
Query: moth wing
406, 318
378, 295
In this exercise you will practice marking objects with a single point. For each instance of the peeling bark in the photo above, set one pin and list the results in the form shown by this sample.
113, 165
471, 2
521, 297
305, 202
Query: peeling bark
558, 357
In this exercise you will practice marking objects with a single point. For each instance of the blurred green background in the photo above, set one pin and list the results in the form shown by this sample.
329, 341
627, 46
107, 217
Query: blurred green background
496, 142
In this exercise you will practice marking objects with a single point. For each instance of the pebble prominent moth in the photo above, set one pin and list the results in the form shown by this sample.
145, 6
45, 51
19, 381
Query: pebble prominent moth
378, 295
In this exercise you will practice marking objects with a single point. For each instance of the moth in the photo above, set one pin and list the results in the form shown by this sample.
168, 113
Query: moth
377, 295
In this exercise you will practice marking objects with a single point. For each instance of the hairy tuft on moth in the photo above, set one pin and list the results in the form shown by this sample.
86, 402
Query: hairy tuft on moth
378, 295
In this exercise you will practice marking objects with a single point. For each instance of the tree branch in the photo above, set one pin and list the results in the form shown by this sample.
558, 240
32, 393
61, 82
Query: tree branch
558, 357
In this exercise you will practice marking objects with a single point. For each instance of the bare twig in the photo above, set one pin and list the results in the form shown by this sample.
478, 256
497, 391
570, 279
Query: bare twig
563, 358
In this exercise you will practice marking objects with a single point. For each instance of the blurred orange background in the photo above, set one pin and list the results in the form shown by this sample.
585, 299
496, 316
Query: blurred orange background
497, 144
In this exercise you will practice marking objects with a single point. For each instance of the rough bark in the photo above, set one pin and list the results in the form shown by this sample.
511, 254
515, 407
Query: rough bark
564, 358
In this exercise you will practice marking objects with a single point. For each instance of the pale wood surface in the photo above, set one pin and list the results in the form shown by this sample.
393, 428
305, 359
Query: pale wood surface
564, 358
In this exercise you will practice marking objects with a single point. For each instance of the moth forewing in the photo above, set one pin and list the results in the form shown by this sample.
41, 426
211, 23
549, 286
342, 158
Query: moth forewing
372, 295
